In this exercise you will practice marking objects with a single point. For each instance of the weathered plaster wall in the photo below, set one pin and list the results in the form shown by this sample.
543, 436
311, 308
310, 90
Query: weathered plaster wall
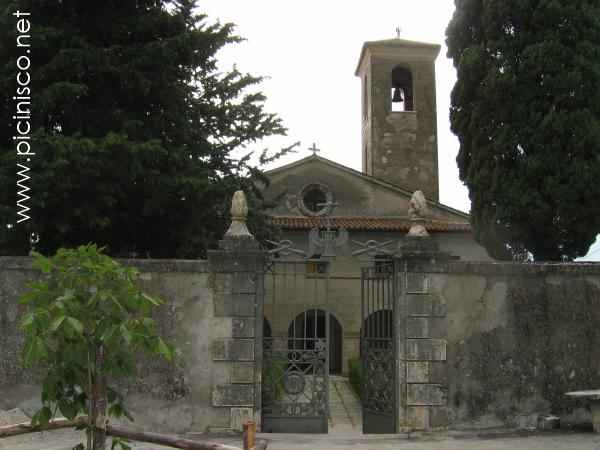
180, 397
518, 338
14, 275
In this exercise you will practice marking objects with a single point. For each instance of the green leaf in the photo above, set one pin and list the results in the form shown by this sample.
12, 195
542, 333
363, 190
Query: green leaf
67, 295
35, 350
164, 349
154, 301
76, 325
42, 417
109, 334
117, 302
148, 323
121, 443
51, 388
57, 323
68, 409
116, 410
28, 320
41, 262
126, 334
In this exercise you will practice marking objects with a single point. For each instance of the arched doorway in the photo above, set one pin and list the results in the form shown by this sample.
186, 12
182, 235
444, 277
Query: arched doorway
309, 326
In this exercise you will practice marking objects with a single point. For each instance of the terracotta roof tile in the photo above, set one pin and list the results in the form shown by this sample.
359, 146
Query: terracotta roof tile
366, 224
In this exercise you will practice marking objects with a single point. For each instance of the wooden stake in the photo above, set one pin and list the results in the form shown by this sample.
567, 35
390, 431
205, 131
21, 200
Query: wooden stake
117, 431
249, 433
23, 428
163, 439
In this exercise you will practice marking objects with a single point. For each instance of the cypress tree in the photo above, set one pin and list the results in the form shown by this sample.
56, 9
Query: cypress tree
526, 109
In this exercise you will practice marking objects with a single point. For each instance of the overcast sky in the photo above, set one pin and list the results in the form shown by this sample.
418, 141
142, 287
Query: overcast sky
309, 50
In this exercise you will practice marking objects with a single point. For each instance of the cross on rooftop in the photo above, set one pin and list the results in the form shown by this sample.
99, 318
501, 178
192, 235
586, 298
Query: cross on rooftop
314, 149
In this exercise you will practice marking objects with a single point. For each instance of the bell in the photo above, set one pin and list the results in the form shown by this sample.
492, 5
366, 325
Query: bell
397, 97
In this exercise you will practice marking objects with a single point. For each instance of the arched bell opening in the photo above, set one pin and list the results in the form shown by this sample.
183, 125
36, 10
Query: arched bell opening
402, 90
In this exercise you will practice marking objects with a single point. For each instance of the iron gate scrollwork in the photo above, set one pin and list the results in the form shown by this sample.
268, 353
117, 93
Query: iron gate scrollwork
378, 354
296, 362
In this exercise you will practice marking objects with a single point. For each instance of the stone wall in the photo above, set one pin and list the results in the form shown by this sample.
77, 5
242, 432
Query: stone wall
496, 344
480, 344
423, 354
210, 387
237, 283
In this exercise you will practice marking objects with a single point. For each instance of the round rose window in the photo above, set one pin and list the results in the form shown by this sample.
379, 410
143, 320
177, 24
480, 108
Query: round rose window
315, 200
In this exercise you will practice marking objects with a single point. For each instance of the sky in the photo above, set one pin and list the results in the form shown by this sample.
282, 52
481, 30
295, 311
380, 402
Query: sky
308, 51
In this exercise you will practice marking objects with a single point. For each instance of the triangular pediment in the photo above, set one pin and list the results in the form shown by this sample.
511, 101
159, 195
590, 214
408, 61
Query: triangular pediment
357, 194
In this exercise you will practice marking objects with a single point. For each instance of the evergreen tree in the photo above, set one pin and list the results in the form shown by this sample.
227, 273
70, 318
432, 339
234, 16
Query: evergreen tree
526, 109
133, 128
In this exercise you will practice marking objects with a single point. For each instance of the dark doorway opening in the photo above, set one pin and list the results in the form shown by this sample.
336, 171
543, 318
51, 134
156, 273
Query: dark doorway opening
379, 324
310, 326
267, 332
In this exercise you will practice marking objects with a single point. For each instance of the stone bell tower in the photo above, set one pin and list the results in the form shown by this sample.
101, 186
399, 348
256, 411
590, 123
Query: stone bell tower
399, 130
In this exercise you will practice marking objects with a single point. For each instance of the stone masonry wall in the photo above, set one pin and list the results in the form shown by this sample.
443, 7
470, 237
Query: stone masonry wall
236, 280
403, 145
499, 343
424, 354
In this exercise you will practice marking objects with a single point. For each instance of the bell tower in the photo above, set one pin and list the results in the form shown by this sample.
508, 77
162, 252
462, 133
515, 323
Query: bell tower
399, 129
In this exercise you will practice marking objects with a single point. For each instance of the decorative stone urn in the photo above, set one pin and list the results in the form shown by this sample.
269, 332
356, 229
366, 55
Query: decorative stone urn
417, 209
239, 215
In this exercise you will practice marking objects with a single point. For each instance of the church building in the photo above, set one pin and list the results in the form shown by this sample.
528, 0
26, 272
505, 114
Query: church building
336, 220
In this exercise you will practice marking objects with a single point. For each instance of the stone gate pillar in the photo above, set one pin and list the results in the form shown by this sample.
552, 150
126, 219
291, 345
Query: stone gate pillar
236, 278
421, 331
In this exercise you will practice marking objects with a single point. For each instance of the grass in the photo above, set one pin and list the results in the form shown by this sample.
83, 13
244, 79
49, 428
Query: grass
273, 371
355, 375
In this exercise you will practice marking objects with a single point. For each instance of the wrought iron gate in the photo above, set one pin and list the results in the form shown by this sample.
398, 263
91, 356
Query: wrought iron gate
296, 360
378, 355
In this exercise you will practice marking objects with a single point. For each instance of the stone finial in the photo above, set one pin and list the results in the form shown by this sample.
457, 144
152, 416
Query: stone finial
417, 209
239, 214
